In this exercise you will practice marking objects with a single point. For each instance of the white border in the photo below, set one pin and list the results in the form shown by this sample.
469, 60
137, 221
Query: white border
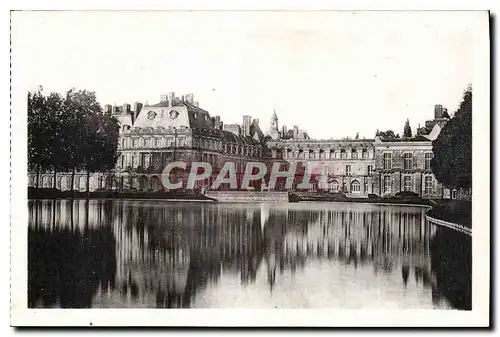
479, 316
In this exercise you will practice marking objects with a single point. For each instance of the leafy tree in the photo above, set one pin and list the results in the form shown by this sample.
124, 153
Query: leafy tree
37, 151
387, 135
452, 162
94, 141
45, 122
407, 130
70, 133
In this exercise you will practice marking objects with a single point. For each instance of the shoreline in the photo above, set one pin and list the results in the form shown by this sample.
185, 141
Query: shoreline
430, 214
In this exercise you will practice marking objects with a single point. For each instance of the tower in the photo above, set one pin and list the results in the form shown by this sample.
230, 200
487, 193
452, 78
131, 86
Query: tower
274, 127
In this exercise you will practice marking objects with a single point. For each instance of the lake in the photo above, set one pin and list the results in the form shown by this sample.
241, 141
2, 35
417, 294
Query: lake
160, 254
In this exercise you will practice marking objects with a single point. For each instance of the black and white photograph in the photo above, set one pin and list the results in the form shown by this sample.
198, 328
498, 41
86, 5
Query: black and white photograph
252, 161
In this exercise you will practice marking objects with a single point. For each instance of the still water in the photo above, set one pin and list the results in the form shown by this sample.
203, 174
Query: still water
158, 254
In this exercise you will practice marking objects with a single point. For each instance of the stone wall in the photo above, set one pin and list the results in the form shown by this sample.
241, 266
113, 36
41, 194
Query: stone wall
248, 196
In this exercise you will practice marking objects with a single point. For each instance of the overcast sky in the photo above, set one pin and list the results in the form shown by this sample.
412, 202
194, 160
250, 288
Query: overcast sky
331, 73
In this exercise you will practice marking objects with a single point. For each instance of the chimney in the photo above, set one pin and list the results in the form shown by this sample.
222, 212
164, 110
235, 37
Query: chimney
234, 128
218, 123
163, 98
438, 111
247, 120
295, 132
171, 98
189, 98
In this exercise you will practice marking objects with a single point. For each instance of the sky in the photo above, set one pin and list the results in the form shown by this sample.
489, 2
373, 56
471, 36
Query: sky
333, 74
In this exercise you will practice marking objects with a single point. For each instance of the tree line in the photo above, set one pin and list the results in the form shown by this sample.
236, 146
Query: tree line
452, 162
70, 133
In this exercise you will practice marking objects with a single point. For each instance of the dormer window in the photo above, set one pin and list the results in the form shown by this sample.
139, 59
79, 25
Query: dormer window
195, 115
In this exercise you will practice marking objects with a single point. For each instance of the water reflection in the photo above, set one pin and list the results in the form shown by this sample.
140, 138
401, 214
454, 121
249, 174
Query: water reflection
104, 253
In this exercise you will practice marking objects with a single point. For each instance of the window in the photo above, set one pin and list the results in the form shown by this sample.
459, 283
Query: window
343, 154
123, 143
122, 161
387, 161
428, 185
348, 170
355, 187
134, 142
454, 194
366, 187
407, 183
370, 170
387, 184
146, 142
428, 158
157, 142
364, 154
354, 154
182, 141
408, 161
170, 140
334, 186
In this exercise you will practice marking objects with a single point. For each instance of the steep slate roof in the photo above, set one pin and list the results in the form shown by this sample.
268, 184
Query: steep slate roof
254, 128
229, 137
202, 120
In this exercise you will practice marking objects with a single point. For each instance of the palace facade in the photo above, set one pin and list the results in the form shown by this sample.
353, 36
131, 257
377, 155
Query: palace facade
177, 129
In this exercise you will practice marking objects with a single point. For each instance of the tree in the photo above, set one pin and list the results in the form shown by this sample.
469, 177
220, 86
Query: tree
37, 152
70, 133
45, 123
452, 162
387, 135
407, 130
93, 138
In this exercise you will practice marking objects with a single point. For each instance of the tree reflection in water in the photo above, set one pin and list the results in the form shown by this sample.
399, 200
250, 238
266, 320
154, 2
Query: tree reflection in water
103, 253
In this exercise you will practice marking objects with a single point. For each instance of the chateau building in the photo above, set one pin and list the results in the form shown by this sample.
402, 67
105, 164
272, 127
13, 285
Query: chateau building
177, 129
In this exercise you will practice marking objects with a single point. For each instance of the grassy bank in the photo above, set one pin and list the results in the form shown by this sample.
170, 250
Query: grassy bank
379, 200
51, 193
456, 211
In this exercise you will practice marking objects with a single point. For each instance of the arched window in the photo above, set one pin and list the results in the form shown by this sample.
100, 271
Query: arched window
82, 184
156, 183
333, 186
355, 187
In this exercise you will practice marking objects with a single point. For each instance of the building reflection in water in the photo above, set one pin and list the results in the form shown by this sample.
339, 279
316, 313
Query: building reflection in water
103, 253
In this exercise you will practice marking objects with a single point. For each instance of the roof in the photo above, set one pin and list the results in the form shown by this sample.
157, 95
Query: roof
198, 118
418, 138
255, 129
